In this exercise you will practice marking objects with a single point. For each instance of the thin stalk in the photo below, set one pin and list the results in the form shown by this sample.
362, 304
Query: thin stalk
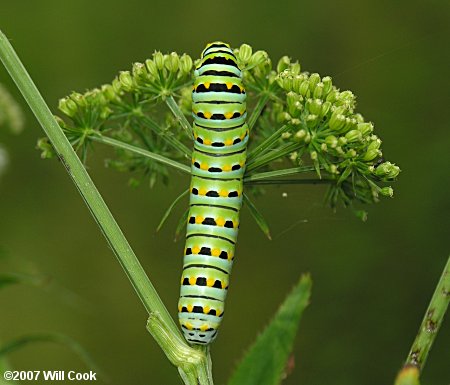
137, 150
83, 182
265, 144
431, 321
100, 211
258, 109
263, 160
170, 101
277, 173
290, 181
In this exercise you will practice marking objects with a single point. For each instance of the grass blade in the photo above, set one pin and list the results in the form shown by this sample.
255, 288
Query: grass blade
266, 360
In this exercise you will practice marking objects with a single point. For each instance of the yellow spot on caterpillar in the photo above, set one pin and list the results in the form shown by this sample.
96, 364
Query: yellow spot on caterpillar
204, 327
199, 219
207, 142
202, 191
204, 166
190, 308
227, 167
215, 252
180, 308
207, 115
220, 221
235, 224
206, 309
223, 193
229, 85
210, 282
207, 84
218, 312
223, 284
188, 325
228, 142
195, 250
228, 115
230, 256
192, 281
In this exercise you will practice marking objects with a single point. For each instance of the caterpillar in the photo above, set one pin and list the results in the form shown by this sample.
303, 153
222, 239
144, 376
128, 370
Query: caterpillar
215, 197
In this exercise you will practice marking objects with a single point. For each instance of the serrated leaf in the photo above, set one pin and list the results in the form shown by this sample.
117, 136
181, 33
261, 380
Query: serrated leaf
257, 216
265, 362
169, 210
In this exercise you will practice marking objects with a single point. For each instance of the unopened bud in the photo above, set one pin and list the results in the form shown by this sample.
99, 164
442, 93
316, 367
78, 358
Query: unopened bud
172, 62
158, 58
185, 64
68, 106
126, 80
283, 64
314, 79
365, 128
331, 141
318, 91
387, 192
353, 136
151, 67
245, 53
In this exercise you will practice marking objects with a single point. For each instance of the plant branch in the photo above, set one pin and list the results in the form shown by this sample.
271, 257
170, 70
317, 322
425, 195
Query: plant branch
277, 173
431, 321
156, 157
180, 116
258, 109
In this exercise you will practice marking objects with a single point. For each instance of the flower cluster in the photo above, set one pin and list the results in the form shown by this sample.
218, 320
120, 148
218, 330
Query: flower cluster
297, 120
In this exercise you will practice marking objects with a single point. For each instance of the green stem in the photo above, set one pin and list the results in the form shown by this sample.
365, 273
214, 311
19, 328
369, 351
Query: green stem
277, 173
100, 211
269, 157
156, 157
265, 144
258, 109
431, 321
180, 116
290, 181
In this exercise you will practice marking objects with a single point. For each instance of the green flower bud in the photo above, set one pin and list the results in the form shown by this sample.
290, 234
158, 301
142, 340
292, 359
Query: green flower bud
295, 122
375, 144
304, 88
388, 170
245, 53
47, 150
151, 68
105, 112
324, 147
387, 191
185, 64
353, 136
337, 122
314, 79
139, 70
365, 128
300, 135
79, 99
108, 92
258, 58
370, 154
126, 80
283, 63
68, 106
172, 62
313, 155
318, 91
117, 86
315, 106
158, 58
327, 85
311, 120
331, 141
293, 156
342, 141
351, 153
333, 169
409, 375
332, 96
325, 108
359, 118
286, 135
295, 68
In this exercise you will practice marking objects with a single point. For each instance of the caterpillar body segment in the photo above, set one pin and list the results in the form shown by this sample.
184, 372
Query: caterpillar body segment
218, 164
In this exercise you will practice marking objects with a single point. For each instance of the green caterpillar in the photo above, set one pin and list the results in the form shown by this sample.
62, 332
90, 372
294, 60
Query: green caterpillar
218, 164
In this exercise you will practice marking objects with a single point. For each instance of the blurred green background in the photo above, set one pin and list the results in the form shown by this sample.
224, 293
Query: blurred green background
372, 281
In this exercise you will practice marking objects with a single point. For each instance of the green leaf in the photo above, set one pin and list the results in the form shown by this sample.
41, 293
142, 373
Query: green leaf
57, 338
257, 216
265, 362
169, 210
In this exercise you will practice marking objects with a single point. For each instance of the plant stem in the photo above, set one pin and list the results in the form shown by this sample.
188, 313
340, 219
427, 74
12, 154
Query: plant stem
431, 321
277, 173
156, 157
179, 115
100, 211
258, 109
